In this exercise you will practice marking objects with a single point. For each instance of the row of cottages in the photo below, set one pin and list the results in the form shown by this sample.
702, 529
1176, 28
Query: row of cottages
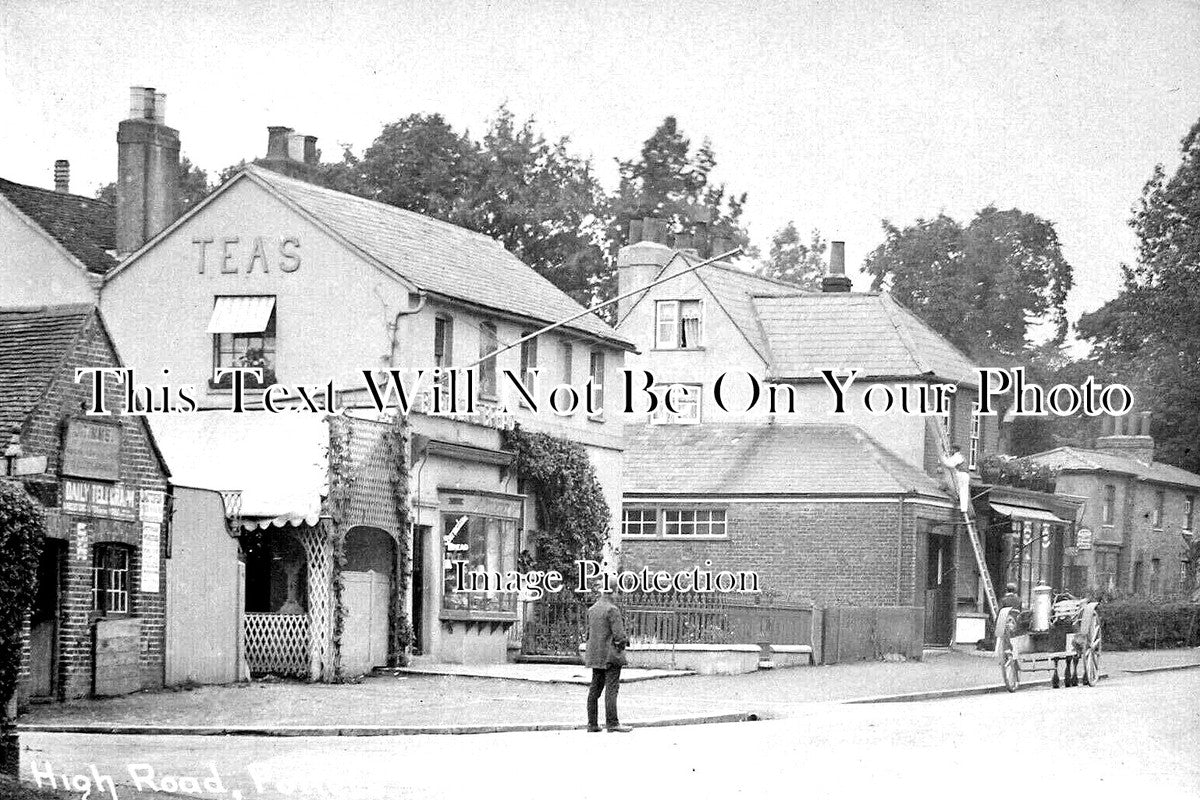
1137, 528
837, 509
316, 545
98, 620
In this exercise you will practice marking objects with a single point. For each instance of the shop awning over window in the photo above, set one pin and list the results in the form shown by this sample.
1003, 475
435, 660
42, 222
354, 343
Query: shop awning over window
241, 314
1023, 512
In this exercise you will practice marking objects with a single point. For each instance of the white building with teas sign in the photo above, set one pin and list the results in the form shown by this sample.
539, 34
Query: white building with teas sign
97, 626
315, 287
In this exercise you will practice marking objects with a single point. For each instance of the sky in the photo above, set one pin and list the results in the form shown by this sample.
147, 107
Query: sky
834, 115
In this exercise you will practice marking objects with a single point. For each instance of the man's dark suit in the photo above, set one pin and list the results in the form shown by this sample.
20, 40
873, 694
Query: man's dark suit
605, 655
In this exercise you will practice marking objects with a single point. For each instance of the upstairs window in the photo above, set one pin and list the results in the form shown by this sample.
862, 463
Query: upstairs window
443, 352
243, 331
596, 372
1110, 504
679, 324
110, 579
529, 360
639, 522
1189, 509
685, 398
694, 522
1160, 500
567, 356
488, 343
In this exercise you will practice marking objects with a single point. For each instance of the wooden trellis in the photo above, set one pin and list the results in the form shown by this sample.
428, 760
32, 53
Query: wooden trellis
319, 551
277, 643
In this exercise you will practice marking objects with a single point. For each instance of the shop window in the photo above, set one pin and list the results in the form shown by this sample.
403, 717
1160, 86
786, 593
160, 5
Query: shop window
487, 546
110, 578
243, 331
1110, 504
529, 360
639, 522
1189, 509
596, 372
686, 400
679, 324
1160, 501
488, 343
694, 522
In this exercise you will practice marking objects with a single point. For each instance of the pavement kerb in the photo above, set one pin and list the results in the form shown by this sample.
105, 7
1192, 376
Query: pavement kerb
1168, 668
366, 730
941, 694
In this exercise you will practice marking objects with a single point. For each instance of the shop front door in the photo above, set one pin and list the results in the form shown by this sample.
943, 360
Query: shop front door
365, 625
43, 634
939, 591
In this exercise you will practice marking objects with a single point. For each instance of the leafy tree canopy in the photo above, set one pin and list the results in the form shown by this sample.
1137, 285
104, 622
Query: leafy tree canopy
983, 285
792, 261
1149, 332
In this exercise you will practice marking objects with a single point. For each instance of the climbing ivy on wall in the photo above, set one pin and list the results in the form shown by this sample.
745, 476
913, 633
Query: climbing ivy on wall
569, 499
397, 442
22, 532
341, 489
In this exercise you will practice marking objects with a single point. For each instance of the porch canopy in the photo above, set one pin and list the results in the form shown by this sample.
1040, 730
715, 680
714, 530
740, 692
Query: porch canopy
1025, 512
278, 462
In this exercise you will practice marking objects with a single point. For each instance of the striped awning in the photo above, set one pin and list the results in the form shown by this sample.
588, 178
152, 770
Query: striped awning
249, 314
1023, 512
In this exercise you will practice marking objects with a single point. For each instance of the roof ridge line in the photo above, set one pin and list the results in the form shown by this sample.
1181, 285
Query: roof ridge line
890, 307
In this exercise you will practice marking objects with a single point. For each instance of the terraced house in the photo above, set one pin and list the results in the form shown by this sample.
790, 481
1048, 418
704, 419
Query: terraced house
839, 509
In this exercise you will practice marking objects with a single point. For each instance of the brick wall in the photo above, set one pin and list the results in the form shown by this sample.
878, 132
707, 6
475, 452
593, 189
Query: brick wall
830, 553
140, 469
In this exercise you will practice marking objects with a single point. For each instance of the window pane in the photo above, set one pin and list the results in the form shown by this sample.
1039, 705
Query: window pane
487, 369
666, 323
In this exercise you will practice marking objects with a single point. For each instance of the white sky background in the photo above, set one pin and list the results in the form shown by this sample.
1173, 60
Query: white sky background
835, 115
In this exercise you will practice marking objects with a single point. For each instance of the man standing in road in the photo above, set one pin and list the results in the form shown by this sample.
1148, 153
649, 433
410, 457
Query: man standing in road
605, 655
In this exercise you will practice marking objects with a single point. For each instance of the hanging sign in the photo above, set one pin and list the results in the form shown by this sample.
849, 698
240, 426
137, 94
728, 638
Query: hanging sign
1083, 539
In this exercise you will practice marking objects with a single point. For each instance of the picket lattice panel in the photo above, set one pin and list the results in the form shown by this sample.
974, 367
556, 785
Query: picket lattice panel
319, 550
277, 643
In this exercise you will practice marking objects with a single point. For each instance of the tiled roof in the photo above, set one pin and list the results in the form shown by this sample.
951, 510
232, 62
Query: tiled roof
806, 333
733, 289
1076, 459
85, 227
33, 343
818, 459
438, 257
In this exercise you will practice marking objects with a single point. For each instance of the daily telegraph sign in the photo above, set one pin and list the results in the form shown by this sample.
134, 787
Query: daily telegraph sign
101, 500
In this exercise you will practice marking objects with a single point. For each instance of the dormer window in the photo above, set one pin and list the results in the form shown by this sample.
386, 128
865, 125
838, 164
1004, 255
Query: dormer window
679, 325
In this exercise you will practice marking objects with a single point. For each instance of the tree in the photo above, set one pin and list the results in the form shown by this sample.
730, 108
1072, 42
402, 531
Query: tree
21, 538
792, 261
1149, 333
982, 286
193, 186
668, 181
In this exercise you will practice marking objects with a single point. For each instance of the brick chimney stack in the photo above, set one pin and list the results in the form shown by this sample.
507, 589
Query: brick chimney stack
1127, 436
290, 153
836, 280
147, 170
62, 176
640, 261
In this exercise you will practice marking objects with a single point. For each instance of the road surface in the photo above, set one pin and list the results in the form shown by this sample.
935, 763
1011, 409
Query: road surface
1130, 737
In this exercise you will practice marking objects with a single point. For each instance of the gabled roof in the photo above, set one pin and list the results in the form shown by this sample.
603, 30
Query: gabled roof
733, 289
34, 342
868, 331
765, 459
1075, 459
84, 226
436, 256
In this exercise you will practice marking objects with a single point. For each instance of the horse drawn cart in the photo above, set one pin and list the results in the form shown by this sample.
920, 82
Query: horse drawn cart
1065, 631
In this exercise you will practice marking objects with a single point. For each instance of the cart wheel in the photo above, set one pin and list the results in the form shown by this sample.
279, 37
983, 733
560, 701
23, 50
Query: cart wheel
1010, 669
1091, 655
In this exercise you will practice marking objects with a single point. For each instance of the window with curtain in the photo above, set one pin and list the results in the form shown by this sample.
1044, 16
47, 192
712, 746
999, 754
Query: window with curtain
679, 324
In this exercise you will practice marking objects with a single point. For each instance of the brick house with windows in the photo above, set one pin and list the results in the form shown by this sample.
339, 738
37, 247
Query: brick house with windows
837, 508
97, 625
1139, 519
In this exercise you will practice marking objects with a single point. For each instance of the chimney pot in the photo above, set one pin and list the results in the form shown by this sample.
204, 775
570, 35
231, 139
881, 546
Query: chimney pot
295, 147
310, 150
635, 231
160, 108
654, 230
147, 170
62, 176
683, 241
